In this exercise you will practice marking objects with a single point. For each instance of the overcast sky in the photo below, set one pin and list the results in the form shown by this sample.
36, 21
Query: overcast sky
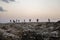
26, 9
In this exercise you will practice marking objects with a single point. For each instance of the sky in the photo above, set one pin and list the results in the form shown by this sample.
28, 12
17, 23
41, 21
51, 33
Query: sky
29, 9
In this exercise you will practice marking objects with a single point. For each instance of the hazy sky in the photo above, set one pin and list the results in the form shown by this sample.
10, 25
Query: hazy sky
26, 9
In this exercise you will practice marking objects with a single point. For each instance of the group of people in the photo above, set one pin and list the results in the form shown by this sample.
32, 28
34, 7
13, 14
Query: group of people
14, 21
18, 21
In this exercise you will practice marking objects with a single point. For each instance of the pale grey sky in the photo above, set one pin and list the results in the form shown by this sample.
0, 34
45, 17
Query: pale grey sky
26, 9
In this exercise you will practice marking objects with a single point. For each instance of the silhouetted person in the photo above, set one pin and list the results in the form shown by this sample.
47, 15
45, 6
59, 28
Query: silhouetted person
48, 20
29, 20
10, 21
37, 20
24, 20
13, 21
18, 21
